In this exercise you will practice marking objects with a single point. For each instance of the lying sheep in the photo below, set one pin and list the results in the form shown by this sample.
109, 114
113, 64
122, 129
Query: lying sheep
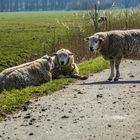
115, 45
65, 66
28, 74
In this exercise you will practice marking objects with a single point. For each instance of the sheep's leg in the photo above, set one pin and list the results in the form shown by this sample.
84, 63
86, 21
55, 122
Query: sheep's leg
112, 70
117, 64
76, 76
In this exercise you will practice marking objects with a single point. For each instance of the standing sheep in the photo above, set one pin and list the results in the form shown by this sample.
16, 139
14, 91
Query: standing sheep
28, 74
115, 45
65, 66
102, 19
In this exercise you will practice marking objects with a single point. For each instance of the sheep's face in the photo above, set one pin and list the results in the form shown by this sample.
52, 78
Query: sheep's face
94, 42
102, 19
62, 58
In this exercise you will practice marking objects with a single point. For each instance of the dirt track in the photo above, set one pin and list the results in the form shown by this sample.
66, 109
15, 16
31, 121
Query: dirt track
89, 110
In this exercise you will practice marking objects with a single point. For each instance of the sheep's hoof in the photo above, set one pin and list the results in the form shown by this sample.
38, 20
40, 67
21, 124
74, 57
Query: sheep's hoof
116, 79
109, 79
83, 77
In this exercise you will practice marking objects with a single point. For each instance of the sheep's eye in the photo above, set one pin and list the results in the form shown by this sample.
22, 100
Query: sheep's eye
95, 41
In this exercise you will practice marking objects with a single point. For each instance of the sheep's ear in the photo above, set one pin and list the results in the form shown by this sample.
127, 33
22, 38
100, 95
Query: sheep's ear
86, 39
55, 54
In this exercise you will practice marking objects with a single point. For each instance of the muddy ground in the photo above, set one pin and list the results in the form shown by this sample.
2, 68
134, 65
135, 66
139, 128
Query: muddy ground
93, 109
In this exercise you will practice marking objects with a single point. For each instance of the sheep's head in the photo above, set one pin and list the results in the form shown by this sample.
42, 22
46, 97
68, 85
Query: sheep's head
102, 19
94, 42
63, 57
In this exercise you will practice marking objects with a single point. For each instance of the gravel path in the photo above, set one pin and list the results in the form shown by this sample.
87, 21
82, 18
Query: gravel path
93, 109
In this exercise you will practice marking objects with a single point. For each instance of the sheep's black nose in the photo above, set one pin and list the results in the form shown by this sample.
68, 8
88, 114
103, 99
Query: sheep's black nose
62, 63
91, 48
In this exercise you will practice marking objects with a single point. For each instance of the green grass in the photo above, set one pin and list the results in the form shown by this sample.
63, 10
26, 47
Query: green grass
90, 66
16, 99
25, 36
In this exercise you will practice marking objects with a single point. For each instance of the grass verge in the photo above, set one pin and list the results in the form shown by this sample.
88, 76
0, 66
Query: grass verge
16, 99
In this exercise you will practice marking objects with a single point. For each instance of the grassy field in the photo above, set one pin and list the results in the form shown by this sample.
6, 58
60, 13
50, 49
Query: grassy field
27, 36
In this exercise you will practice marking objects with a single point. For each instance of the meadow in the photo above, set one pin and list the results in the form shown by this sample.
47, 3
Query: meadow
26, 36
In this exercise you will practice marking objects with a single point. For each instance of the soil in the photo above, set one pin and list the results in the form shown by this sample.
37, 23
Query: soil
94, 109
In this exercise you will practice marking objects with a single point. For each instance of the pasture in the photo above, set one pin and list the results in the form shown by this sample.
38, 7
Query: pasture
25, 36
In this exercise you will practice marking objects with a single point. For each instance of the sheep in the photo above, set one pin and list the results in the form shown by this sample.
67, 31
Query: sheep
65, 66
29, 74
115, 45
102, 19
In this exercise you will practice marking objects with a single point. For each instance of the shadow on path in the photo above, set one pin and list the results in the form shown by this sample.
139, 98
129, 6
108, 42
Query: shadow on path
112, 82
